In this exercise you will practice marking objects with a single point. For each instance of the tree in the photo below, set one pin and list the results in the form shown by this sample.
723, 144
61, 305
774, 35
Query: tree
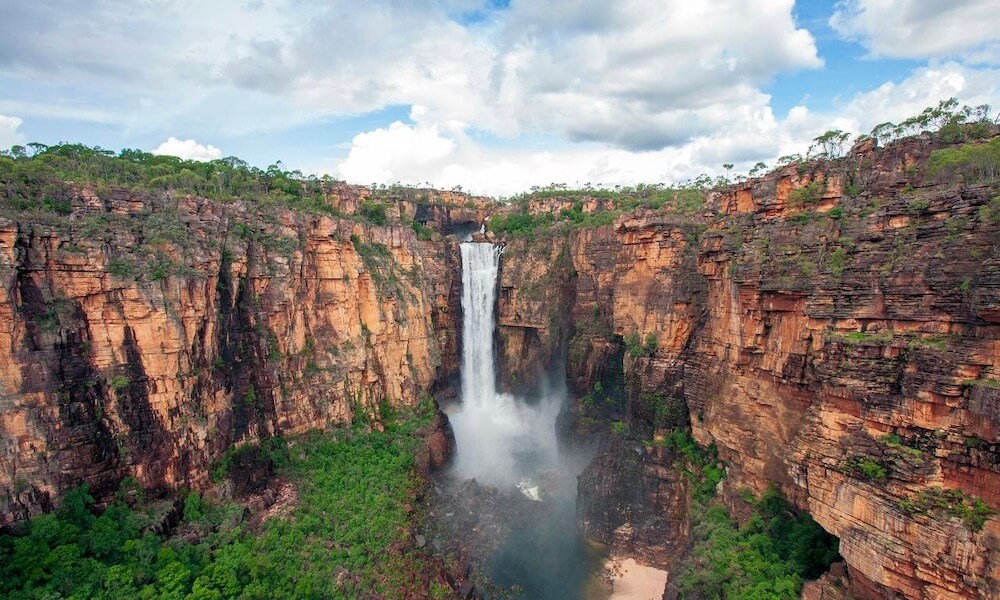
831, 143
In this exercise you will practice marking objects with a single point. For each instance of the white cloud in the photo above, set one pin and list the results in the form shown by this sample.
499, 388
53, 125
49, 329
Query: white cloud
422, 152
969, 29
9, 134
642, 74
639, 74
187, 149
924, 87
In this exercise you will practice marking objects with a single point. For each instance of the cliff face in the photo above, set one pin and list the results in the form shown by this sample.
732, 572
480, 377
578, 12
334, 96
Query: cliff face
144, 336
839, 341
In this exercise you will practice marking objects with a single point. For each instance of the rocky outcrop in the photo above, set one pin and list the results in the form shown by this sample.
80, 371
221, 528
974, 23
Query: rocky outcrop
632, 498
144, 335
832, 328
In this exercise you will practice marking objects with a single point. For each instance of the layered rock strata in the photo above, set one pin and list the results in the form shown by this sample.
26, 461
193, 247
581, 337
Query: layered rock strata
144, 336
832, 328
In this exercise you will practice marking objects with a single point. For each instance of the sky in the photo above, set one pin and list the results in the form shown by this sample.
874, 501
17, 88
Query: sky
494, 96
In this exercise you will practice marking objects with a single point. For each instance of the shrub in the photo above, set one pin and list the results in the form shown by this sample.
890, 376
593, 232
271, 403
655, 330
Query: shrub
423, 232
867, 468
373, 212
352, 515
973, 512
990, 212
836, 262
769, 557
918, 206
119, 382
807, 194
121, 268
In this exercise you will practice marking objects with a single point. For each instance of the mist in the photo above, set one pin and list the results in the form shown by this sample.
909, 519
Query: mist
502, 440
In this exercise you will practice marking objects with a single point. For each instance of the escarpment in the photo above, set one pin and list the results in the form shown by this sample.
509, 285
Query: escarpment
831, 328
145, 334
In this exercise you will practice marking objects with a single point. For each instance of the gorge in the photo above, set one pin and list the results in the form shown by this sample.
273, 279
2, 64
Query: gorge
826, 333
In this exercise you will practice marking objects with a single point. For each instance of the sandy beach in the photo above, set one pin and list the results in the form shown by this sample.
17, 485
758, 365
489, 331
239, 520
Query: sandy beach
632, 581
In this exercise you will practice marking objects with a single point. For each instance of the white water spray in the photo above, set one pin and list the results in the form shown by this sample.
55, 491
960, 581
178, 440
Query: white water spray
501, 441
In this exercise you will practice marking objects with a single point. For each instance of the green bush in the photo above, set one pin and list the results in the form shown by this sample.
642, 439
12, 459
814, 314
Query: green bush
990, 212
867, 468
807, 194
373, 212
423, 232
918, 206
119, 382
836, 262
519, 224
121, 268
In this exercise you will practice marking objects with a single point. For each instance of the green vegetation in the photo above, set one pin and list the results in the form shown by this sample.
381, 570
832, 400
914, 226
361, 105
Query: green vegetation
347, 536
663, 412
972, 511
770, 556
951, 123
990, 212
519, 224
688, 199
830, 144
934, 341
918, 206
836, 262
373, 212
36, 178
119, 382
636, 348
807, 194
975, 161
866, 338
423, 232
992, 384
867, 468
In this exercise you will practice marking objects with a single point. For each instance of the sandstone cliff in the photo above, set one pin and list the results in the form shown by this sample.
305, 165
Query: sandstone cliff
832, 327
144, 335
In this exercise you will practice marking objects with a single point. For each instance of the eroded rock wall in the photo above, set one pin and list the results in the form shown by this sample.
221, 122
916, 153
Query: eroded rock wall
143, 336
833, 328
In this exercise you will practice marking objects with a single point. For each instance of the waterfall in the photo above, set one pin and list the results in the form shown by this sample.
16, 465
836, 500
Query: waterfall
508, 443
501, 440
480, 263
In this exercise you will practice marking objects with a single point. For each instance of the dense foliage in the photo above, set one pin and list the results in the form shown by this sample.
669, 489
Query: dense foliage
37, 177
769, 557
975, 161
684, 200
347, 536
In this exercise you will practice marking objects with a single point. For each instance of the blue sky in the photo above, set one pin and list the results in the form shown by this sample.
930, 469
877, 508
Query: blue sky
494, 95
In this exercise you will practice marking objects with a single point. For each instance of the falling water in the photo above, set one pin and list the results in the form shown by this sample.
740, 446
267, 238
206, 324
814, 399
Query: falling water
480, 263
504, 442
